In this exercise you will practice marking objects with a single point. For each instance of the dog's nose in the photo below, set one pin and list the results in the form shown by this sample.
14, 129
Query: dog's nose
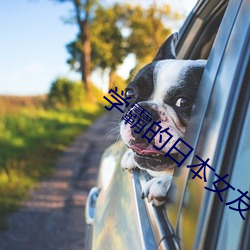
140, 126
151, 109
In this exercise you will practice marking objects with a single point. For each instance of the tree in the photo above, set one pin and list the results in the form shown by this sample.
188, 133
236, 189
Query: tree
108, 48
83, 15
119, 30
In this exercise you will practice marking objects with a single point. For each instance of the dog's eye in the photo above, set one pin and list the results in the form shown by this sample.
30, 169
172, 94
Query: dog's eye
130, 93
183, 102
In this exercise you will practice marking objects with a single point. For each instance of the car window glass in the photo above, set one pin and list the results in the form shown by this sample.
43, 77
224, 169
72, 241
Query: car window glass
232, 224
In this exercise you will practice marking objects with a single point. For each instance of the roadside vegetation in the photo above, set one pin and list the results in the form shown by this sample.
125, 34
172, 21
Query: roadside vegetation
34, 131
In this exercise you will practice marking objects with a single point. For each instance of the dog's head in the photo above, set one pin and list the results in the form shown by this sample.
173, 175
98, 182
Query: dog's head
166, 88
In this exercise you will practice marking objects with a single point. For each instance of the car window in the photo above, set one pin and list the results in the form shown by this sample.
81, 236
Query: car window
200, 29
164, 222
232, 225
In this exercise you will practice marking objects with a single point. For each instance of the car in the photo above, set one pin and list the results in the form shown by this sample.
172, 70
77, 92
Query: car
196, 215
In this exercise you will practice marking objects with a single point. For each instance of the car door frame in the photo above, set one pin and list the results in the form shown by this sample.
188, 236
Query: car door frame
205, 108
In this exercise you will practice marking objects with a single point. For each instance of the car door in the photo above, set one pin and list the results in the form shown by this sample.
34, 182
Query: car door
202, 220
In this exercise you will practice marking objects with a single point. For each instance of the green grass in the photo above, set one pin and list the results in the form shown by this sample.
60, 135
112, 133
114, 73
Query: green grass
31, 139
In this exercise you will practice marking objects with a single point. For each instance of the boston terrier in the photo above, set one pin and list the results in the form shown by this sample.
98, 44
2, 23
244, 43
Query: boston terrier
166, 88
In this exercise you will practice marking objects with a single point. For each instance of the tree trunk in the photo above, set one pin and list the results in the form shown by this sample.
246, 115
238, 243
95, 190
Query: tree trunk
86, 58
111, 79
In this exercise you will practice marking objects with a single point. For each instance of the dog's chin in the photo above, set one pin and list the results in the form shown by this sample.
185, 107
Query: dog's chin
153, 162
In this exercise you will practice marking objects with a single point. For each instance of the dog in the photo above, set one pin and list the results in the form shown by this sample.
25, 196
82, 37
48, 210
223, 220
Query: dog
166, 88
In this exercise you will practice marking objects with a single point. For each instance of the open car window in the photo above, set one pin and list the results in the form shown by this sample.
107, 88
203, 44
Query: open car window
196, 41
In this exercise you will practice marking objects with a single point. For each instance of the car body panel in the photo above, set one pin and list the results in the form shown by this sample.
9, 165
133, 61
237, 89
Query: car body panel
218, 129
117, 223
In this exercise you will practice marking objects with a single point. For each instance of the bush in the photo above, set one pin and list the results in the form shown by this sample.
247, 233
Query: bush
66, 93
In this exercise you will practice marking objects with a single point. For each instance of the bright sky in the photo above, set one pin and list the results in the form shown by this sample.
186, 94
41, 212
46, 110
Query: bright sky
32, 44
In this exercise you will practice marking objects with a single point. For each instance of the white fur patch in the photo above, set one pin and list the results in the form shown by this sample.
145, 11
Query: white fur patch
157, 188
168, 74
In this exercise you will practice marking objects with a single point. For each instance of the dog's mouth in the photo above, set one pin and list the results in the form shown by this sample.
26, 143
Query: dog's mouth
150, 158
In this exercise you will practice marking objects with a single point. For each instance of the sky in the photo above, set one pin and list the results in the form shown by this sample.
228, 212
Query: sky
32, 44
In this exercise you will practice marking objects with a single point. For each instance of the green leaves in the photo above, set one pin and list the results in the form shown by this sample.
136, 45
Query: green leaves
121, 29
108, 50
147, 31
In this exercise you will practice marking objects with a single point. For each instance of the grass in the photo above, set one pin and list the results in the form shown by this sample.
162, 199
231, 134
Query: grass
31, 139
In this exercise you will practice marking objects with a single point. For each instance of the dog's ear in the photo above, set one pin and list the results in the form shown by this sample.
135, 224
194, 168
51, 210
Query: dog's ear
167, 49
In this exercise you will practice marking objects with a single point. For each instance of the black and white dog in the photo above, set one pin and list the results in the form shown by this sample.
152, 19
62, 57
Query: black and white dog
166, 88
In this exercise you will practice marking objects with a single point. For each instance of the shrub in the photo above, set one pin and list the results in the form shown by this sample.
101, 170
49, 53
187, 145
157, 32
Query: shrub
66, 93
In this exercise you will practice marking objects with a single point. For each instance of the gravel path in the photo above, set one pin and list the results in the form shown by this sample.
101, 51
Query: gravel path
53, 218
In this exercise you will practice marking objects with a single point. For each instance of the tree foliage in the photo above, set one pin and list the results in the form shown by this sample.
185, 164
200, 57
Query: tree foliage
147, 30
114, 32
119, 30
108, 48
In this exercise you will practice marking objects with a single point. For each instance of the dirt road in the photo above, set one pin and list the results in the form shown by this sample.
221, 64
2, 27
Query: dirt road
53, 218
